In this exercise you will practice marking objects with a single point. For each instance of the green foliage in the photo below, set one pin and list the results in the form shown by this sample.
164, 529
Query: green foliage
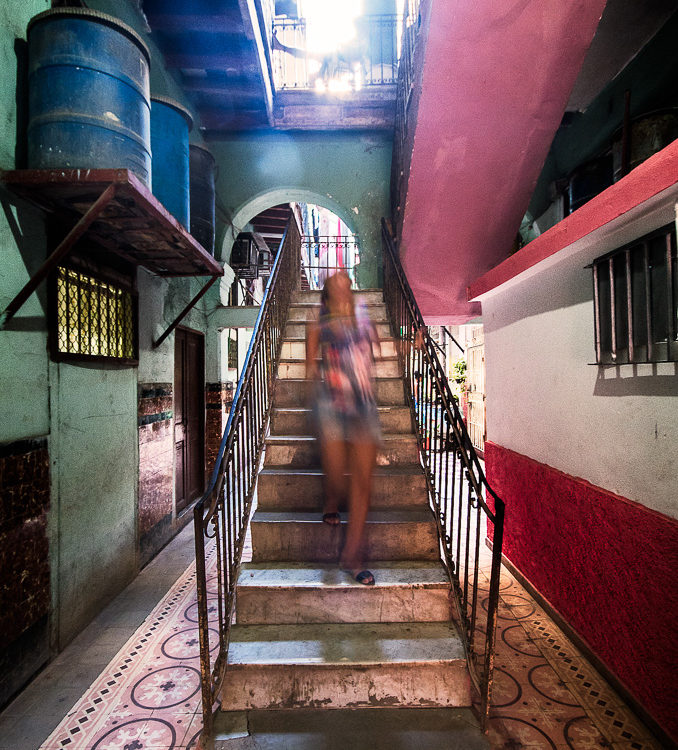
459, 372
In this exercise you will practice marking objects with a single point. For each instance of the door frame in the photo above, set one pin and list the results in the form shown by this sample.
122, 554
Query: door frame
189, 505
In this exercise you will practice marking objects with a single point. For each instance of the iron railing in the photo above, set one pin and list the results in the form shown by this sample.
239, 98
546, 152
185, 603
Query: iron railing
221, 516
369, 59
324, 255
460, 497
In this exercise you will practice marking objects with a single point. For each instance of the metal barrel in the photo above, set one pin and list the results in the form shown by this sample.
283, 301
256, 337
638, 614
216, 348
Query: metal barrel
588, 180
202, 172
649, 133
170, 124
89, 97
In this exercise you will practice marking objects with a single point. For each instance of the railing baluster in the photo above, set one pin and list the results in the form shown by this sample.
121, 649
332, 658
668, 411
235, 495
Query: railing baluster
221, 515
458, 490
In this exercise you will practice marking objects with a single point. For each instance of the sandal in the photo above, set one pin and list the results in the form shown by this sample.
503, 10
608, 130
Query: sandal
365, 577
332, 519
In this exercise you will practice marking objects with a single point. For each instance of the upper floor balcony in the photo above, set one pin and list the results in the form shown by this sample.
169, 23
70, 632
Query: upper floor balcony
260, 64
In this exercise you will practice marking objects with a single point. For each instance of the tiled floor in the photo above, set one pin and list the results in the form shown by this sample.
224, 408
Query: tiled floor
147, 697
546, 693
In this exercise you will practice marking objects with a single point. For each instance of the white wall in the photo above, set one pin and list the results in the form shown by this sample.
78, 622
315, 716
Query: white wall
616, 427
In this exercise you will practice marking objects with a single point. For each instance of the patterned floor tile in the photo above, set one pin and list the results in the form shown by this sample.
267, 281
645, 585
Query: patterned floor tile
545, 694
149, 695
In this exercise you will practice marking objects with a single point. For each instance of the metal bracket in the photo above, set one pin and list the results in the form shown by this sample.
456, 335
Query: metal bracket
60, 252
185, 311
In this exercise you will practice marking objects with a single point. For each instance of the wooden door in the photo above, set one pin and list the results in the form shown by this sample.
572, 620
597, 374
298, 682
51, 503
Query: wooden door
189, 416
475, 386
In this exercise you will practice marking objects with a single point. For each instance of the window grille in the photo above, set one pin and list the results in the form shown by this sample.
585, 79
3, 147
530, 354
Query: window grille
95, 317
233, 353
635, 290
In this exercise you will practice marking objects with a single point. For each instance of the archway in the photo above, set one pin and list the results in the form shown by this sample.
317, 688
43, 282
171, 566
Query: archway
261, 202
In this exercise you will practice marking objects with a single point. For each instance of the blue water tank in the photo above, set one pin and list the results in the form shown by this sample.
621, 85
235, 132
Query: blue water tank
202, 173
89, 99
170, 124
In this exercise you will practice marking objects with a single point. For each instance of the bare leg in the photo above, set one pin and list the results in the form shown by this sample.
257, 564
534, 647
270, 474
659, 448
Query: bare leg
362, 457
333, 457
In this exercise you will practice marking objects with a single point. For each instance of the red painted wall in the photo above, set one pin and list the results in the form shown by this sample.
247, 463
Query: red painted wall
607, 564
496, 78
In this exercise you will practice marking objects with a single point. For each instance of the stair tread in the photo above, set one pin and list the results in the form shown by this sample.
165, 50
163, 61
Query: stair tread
382, 339
317, 304
303, 729
328, 576
344, 644
295, 361
393, 437
401, 515
390, 470
306, 409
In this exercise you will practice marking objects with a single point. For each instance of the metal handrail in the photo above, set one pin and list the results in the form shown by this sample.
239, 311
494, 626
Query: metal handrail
459, 494
222, 514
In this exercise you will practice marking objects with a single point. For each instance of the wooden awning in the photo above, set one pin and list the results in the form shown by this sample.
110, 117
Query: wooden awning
115, 211
131, 223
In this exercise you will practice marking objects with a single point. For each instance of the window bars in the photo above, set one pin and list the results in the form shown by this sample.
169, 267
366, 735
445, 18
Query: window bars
464, 505
94, 318
635, 294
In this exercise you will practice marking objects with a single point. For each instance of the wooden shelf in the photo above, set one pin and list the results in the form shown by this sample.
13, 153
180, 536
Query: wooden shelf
131, 222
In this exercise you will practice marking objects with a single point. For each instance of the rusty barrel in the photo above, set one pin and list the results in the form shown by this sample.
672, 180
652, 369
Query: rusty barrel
89, 100
170, 125
202, 169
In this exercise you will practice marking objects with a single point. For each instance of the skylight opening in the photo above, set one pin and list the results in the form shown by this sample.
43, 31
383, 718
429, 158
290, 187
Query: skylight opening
329, 25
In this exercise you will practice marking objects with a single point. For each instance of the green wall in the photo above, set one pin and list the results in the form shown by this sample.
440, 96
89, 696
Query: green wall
88, 411
24, 408
348, 173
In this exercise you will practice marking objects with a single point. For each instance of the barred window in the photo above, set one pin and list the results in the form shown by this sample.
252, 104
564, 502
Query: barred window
635, 289
95, 315
233, 350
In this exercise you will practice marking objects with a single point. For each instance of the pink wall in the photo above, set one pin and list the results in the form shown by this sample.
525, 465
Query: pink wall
608, 566
496, 80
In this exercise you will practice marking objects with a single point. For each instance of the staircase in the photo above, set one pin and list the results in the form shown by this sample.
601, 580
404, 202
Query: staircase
305, 634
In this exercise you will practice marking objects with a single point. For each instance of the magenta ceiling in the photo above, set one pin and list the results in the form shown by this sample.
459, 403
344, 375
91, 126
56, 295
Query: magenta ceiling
497, 75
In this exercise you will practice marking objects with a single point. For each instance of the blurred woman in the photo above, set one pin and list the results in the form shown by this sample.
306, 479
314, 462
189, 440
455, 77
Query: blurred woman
345, 412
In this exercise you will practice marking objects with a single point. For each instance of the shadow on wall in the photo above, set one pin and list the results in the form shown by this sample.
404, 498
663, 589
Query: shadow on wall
651, 379
28, 229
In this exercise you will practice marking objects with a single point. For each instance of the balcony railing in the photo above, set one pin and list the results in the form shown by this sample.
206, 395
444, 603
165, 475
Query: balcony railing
324, 255
369, 59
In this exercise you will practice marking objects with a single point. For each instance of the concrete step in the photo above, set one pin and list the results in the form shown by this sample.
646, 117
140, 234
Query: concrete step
368, 296
302, 536
305, 311
345, 666
270, 593
297, 421
383, 368
282, 488
296, 392
297, 330
295, 348
302, 451
361, 729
